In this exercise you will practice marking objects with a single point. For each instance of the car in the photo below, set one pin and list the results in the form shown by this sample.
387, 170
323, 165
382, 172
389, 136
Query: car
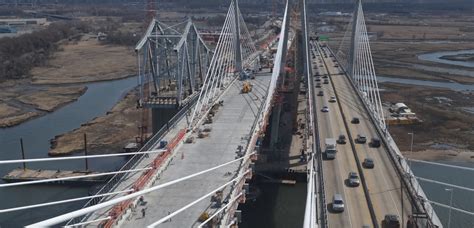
353, 179
337, 203
325, 76
325, 109
368, 163
318, 79
341, 139
326, 81
375, 142
332, 99
318, 85
355, 120
320, 93
361, 139
391, 221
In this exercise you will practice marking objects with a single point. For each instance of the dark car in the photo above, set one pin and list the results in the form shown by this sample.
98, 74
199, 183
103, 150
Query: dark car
318, 79
326, 81
325, 76
361, 139
355, 120
341, 139
375, 142
321, 93
368, 163
391, 221
318, 85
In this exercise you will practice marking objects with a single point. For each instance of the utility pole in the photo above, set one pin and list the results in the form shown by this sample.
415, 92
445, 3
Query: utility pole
85, 151
22, 153
411, 146
450, 205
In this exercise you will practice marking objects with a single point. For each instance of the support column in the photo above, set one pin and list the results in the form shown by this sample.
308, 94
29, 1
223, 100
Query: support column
238, 47
353, 36
161, 116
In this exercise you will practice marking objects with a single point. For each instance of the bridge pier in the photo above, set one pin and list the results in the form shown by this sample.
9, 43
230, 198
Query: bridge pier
161, 116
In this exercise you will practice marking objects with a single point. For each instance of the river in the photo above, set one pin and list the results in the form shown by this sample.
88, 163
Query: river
99, 98
446, 85
281, 206
436, 57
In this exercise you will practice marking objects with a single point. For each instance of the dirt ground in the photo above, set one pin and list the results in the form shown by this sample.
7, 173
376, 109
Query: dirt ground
60, 82
11, 116
86, 61
442, 155
446, 128
52, 98
105, 134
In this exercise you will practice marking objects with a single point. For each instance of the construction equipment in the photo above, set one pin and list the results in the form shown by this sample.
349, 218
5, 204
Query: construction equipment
246, 87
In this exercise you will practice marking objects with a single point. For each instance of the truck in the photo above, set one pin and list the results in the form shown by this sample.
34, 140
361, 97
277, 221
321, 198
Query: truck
330, 149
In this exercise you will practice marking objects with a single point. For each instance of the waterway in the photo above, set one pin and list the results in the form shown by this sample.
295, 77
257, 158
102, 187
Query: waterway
281, 206
461, 198
436, 57
36, 133
446, 85
277, 206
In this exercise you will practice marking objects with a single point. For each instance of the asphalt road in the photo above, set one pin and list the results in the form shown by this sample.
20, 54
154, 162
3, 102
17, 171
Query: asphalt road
383, 184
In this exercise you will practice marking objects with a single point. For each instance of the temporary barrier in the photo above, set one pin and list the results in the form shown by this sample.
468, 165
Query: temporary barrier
119, 209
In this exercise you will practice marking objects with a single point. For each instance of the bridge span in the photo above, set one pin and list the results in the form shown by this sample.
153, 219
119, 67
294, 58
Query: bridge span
193, 171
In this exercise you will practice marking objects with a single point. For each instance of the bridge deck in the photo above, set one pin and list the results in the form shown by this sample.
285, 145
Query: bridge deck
382, 181
230, 128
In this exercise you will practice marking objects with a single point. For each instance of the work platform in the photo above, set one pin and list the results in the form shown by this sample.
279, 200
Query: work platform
231, 128
20, 175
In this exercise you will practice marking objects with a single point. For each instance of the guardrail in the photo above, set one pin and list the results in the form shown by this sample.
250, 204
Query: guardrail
324, 221
135, 159
401, 166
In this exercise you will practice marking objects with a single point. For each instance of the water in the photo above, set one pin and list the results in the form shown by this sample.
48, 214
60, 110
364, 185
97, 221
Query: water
283, 205
448, 85
278, 206
98, 99
436, 57
461, 198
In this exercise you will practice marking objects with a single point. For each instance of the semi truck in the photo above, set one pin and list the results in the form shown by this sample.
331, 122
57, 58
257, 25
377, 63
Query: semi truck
330, 149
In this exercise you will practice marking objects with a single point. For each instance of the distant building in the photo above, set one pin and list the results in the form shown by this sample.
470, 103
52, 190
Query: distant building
7, 29
23, 21
401, 109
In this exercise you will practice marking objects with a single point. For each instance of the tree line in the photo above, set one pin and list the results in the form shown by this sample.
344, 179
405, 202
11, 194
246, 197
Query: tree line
18, 55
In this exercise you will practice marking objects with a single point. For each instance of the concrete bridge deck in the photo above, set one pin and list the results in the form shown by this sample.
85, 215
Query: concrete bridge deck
230, 128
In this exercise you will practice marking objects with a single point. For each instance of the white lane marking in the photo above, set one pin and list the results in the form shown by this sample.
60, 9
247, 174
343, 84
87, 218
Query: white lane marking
367, 128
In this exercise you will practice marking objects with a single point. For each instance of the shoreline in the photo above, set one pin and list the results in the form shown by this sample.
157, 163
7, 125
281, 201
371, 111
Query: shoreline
6, 122
107, 133
457, 155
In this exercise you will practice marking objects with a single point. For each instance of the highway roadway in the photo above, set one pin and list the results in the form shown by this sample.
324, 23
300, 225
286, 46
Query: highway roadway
336, 171
383, 183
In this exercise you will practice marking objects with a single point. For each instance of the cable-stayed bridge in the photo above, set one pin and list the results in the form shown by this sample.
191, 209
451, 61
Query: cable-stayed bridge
221, 101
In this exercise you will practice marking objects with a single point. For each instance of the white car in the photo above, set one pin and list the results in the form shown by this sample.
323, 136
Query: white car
337, 203
325, 109
332, 99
